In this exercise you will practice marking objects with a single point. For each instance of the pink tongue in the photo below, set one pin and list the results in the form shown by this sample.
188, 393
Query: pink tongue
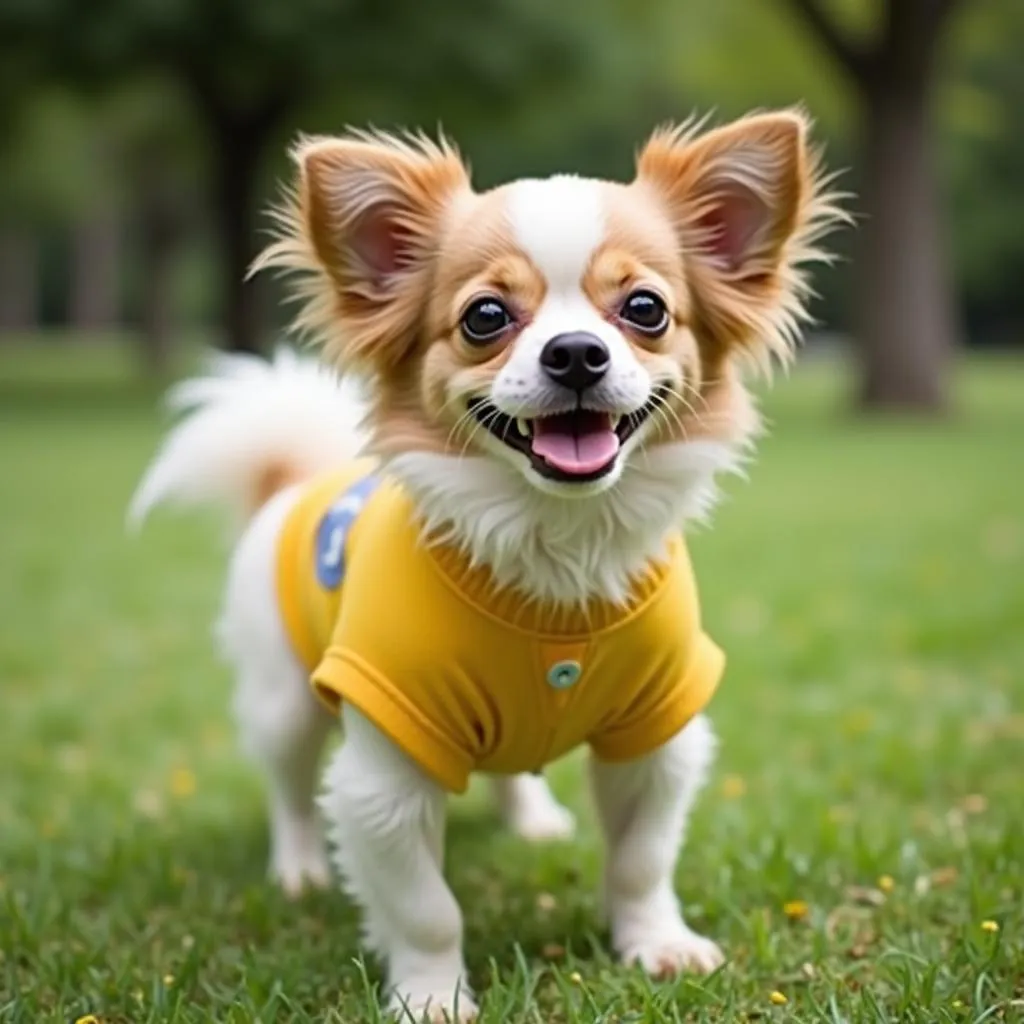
577, 443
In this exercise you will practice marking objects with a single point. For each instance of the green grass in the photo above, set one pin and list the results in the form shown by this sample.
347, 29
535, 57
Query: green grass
868, 584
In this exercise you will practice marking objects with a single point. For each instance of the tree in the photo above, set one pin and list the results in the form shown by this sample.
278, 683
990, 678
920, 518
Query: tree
984, 154
52, 179
251, 67
906, 325
19, 255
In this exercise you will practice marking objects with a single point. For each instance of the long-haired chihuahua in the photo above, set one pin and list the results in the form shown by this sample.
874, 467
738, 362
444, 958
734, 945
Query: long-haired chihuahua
461, 529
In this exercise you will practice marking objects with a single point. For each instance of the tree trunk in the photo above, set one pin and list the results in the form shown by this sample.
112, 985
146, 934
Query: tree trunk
239, 147
906, 321
19, 281
160, 238
95, 300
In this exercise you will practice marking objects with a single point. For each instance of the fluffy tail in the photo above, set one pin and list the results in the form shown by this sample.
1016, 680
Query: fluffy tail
251, 427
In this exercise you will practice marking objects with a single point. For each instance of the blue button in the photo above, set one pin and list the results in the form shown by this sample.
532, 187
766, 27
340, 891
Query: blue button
564, 674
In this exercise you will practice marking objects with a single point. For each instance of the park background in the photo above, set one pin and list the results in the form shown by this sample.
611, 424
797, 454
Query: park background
857, 852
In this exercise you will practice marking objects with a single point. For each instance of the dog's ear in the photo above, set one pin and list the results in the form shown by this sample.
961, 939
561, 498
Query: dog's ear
746, 203
363, 226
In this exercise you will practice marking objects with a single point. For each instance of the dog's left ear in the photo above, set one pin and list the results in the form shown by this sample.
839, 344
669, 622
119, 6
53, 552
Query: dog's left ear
741, 198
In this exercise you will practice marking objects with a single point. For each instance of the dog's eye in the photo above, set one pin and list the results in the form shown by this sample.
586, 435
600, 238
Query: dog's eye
484, 321
646, 312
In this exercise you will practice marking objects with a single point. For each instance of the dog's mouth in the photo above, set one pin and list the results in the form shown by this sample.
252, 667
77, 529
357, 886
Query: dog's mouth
575, 447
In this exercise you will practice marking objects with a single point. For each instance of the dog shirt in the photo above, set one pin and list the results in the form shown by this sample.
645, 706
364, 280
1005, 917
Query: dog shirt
463, 675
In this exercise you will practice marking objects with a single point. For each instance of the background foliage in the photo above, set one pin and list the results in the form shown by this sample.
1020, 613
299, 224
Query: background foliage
163, 124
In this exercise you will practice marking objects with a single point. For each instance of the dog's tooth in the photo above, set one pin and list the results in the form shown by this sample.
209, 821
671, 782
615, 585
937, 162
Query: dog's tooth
523, 426
616, 420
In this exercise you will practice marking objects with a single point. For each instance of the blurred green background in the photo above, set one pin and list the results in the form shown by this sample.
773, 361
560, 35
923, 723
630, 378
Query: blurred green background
140, 140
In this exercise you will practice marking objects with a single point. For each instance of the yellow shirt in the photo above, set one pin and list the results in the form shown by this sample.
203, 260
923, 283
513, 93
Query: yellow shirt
464, 676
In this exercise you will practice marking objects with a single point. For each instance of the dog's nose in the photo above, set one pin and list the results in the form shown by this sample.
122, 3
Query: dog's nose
576, 359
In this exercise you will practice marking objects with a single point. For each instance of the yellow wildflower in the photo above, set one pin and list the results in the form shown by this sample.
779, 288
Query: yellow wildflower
733, 786
796, 910
183, 782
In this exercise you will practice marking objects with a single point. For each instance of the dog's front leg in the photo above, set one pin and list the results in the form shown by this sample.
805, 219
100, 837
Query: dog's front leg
643, 806
387, 825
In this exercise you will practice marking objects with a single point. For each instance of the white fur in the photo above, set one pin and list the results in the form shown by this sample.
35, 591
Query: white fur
559, 550
386, 817
244, 416
559, 223
643, 806
530, 810
282, 725
387, 821
522, 388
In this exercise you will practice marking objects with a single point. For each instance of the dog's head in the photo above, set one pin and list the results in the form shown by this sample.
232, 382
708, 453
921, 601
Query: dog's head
567, 328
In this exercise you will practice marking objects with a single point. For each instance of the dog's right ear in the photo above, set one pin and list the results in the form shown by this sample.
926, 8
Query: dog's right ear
362, 227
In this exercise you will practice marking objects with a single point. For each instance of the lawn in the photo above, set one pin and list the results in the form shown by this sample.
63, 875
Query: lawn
859, 852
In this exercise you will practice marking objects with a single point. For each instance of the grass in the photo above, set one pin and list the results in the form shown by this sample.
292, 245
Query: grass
861, 830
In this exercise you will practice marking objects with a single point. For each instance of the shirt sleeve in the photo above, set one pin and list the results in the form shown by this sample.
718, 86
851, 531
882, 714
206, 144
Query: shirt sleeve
343, 675
664, 707
387, 658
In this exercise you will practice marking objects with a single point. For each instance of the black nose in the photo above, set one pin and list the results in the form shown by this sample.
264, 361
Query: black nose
577, 359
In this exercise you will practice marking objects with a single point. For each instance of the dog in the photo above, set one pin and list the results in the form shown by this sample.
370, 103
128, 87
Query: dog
462, 523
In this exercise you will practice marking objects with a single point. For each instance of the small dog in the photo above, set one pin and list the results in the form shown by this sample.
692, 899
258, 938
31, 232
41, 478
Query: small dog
470, 540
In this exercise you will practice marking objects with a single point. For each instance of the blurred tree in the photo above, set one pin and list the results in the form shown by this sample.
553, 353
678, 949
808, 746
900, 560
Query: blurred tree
19, 244
48, 178
250, 66
161, 165
19, 279
526, 86
984, 156
906, 323
98, 173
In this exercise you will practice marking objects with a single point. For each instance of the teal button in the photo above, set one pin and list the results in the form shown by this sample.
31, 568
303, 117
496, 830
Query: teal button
564, 674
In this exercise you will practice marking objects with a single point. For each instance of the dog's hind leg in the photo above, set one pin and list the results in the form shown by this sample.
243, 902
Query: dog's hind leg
284, 730
282, 725
530, 809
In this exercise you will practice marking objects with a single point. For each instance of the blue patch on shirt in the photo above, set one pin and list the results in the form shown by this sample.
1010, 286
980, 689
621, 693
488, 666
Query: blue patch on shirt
332, 533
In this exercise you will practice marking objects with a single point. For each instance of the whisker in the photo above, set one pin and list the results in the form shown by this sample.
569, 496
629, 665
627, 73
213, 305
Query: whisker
687, 385
666, 410
465, 419
477, 423
491, 414
668, 391
662, 411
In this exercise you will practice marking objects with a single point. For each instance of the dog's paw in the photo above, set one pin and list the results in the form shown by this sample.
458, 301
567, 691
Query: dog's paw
664, 954
430, 1001
543, 821
300, 864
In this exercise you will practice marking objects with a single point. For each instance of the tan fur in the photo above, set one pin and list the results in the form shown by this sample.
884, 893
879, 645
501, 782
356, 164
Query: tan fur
455, 245
362, 319
761, 306
274, 477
